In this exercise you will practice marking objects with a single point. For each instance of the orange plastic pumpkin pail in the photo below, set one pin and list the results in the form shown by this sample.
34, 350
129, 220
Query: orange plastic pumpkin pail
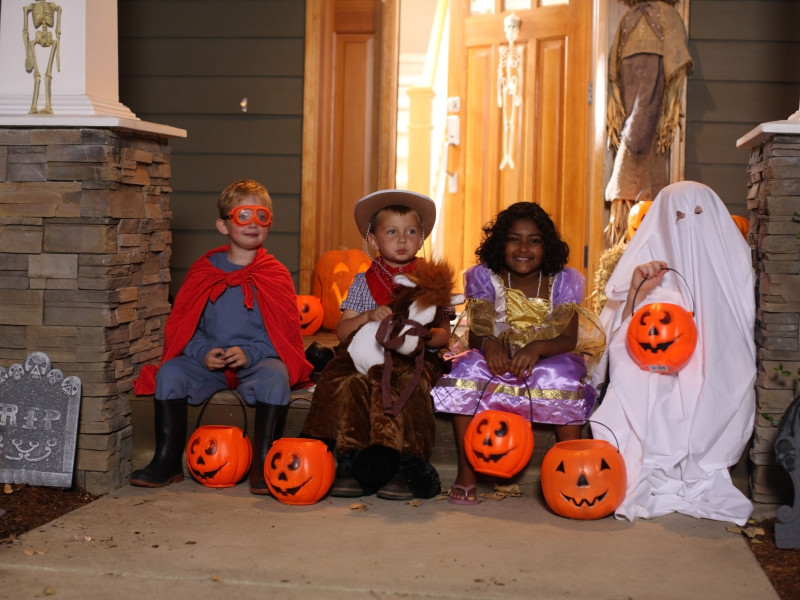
219, 456
498, 443
311, 314
299, 471
661, 337
583, 479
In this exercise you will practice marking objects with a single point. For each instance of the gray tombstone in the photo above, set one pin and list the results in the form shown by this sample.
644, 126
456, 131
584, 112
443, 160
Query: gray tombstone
39, 410
787, 446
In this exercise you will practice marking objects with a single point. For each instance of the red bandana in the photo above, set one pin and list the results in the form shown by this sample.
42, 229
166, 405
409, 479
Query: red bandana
379, 280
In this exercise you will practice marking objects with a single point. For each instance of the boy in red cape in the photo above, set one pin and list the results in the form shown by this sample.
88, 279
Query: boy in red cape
234, 324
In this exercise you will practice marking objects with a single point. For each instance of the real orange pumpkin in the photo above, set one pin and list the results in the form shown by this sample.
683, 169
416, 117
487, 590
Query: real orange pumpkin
498, 443
742, 223
583, 479
636, 214
299, 470
219, 456
311, 314
333, 274
661, 337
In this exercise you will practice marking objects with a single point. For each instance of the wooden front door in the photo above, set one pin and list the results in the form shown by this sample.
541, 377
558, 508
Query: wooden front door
547, 137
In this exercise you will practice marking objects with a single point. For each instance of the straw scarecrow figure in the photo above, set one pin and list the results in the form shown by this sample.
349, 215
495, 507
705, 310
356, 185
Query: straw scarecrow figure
648, 64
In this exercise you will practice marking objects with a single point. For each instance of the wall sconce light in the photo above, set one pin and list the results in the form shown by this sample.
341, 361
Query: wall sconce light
243, 104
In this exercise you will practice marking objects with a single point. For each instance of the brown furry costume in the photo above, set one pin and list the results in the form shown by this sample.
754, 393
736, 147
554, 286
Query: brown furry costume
349, 406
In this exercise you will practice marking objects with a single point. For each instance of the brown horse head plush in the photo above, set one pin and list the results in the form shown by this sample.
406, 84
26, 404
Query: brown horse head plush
427, 289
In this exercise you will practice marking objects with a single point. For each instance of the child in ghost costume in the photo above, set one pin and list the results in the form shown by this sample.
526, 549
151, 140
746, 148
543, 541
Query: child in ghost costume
680, 432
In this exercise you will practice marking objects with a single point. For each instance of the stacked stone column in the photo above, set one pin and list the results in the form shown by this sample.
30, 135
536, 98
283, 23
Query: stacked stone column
84, 271
774, 202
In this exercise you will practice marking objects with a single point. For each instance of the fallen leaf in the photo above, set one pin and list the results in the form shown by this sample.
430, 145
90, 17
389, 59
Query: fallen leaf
496, 496
216, 578
7, 489
749, 532
752, 532
47, 591
508, 490
415, 502
29, 552
359, 506
733, 529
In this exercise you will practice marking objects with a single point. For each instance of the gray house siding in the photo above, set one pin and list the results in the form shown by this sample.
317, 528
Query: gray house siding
189, 64
746, 71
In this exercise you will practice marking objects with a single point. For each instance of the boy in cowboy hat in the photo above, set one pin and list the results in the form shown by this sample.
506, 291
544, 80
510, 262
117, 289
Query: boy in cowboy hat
377, 452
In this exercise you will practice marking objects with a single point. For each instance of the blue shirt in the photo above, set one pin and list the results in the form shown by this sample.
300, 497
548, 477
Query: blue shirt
228, 322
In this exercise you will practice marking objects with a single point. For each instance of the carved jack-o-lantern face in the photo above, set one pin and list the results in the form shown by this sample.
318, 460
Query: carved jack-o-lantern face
661, 337
498, 443
218, 456
298, 470
583, 479
311, 315
636, 214
333, 274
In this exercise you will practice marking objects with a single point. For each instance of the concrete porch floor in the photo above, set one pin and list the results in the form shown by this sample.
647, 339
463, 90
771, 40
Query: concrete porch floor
187, 542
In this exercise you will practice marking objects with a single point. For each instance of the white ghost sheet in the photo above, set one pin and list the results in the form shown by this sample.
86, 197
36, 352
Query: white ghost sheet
679, 433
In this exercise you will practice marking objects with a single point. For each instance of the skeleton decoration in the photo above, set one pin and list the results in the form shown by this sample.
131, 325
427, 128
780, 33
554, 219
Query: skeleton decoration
509, 87
39, 411
45, 16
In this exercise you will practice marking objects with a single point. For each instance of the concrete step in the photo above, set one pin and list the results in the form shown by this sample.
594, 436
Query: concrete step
225, 409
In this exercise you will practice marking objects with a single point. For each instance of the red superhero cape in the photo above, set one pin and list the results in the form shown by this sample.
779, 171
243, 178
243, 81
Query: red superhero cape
276, 301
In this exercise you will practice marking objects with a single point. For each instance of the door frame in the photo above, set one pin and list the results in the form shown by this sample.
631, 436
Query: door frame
325, 19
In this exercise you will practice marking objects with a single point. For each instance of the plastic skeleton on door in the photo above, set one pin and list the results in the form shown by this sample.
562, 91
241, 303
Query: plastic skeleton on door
45, 16
509, 87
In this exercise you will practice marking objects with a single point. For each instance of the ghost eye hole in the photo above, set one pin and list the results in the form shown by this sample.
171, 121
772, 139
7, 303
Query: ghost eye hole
698, 210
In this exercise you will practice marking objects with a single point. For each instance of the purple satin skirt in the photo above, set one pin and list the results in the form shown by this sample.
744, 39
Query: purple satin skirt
553, 393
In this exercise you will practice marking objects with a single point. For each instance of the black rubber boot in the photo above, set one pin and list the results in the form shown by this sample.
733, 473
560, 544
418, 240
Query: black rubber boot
268, 428
170, 429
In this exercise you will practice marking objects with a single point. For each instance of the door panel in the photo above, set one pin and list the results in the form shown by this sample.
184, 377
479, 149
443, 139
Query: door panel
550, 136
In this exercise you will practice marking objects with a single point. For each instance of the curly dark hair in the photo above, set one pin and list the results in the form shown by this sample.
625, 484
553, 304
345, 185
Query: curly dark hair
491, 250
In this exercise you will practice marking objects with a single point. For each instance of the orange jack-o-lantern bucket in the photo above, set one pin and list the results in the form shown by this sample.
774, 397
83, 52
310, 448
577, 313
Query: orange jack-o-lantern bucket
661, 336
219, 456
498, 443
583, 479
299, 471
311, 314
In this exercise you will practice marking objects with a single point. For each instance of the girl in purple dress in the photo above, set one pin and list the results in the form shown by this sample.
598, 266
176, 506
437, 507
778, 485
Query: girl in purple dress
531, 344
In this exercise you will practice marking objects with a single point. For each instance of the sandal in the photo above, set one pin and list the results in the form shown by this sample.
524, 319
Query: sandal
470, 495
